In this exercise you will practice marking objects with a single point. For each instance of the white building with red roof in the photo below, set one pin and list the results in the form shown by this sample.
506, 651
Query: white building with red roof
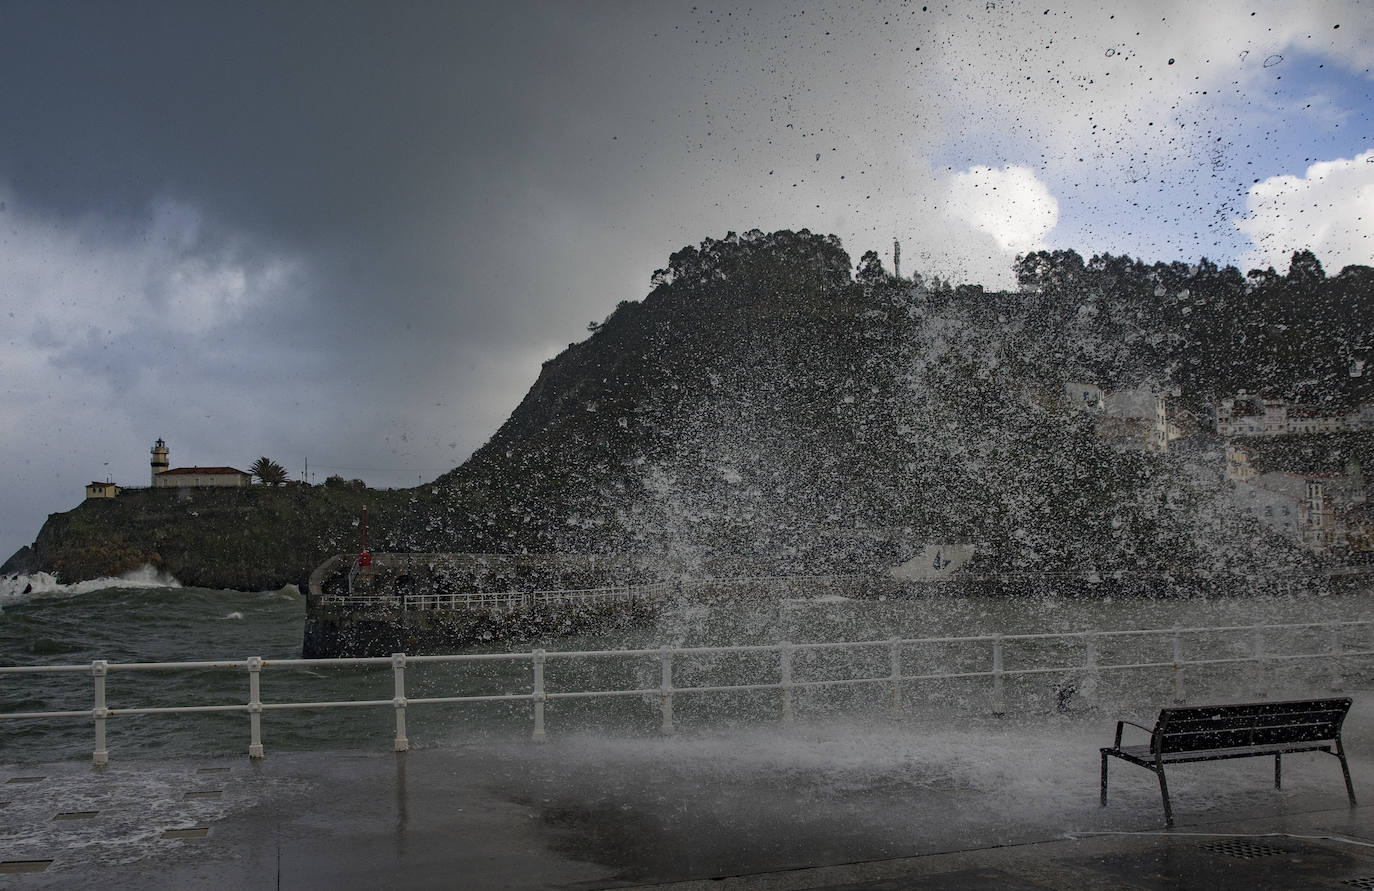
193, 477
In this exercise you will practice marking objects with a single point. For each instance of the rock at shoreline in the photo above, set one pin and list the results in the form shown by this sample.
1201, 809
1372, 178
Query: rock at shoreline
21, 562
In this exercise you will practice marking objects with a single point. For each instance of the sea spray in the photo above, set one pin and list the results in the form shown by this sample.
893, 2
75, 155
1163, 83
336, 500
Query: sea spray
13, 587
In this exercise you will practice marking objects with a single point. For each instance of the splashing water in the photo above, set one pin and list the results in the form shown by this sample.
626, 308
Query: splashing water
14, 587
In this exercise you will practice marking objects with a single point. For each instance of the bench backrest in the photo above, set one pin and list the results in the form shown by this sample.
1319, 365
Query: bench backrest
1207, 727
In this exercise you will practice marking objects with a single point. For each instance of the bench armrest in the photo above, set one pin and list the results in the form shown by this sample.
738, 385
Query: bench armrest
1121, 724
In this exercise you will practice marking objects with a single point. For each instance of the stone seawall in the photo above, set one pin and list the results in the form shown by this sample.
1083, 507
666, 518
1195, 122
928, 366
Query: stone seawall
333, 631
439, 603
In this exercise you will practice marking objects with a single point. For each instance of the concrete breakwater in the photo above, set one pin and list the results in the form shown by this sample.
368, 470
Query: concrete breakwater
434, 602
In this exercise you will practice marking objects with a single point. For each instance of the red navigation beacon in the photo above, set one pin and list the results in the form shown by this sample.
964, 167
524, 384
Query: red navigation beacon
365, 558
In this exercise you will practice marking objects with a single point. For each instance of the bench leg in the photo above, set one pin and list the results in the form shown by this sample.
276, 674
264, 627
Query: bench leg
1278, 771
1345, 770
1104, 779
1164, 793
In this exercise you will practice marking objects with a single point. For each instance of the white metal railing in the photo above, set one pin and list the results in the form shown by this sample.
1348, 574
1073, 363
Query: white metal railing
778, 581
517, 600
506, 601
785, 680
1292, 582
513, 600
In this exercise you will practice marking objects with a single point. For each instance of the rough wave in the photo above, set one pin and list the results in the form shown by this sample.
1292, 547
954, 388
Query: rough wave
16, 587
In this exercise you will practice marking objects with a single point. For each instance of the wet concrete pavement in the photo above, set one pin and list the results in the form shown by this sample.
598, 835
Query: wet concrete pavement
1005, 804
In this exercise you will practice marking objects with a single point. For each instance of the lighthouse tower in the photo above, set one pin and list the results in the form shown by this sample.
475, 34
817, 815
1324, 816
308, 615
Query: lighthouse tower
159, 459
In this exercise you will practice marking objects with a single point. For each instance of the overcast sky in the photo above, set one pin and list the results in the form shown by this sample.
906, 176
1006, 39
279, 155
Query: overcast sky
351, 232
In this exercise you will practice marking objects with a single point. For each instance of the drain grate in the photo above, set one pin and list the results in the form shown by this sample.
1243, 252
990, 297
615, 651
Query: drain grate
24, 865
75, 815
1367, 883
187, 832
1245, 850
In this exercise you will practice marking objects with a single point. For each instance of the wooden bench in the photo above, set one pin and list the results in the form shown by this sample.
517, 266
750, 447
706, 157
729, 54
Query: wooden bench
1247, 730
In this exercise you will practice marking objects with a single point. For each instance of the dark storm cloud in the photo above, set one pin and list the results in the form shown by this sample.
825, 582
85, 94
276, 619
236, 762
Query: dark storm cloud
452, 174
426, 174
339, 131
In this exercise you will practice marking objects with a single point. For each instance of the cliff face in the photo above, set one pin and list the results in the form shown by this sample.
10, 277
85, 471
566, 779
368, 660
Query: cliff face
258, 538
20, 562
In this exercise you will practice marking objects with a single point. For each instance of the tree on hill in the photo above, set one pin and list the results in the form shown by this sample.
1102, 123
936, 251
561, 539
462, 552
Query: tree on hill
870, 269
1305, 268
268, 472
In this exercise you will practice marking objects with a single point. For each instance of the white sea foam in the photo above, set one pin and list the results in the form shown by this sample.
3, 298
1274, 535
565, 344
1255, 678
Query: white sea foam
16, 587
234, 615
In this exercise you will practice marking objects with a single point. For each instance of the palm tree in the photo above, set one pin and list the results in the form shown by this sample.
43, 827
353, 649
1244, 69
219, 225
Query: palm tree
268, 472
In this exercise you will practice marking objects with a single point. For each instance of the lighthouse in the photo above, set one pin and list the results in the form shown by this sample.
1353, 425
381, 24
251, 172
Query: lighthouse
159, 458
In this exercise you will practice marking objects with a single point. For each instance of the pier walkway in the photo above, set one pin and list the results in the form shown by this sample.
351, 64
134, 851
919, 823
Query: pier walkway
887, 805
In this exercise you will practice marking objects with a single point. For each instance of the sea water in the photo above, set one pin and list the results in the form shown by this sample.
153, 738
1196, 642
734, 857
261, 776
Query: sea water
145, 617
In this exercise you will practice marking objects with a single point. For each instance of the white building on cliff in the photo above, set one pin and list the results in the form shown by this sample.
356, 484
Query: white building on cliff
193, 477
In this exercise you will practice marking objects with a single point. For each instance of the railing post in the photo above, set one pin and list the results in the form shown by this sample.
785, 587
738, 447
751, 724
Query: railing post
894, 658
99, 669
999, 704
539, 696
1260, 690
785, 653
255, 707
665, 688
1088, 691
1178, 666
398, 670
1337, 682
